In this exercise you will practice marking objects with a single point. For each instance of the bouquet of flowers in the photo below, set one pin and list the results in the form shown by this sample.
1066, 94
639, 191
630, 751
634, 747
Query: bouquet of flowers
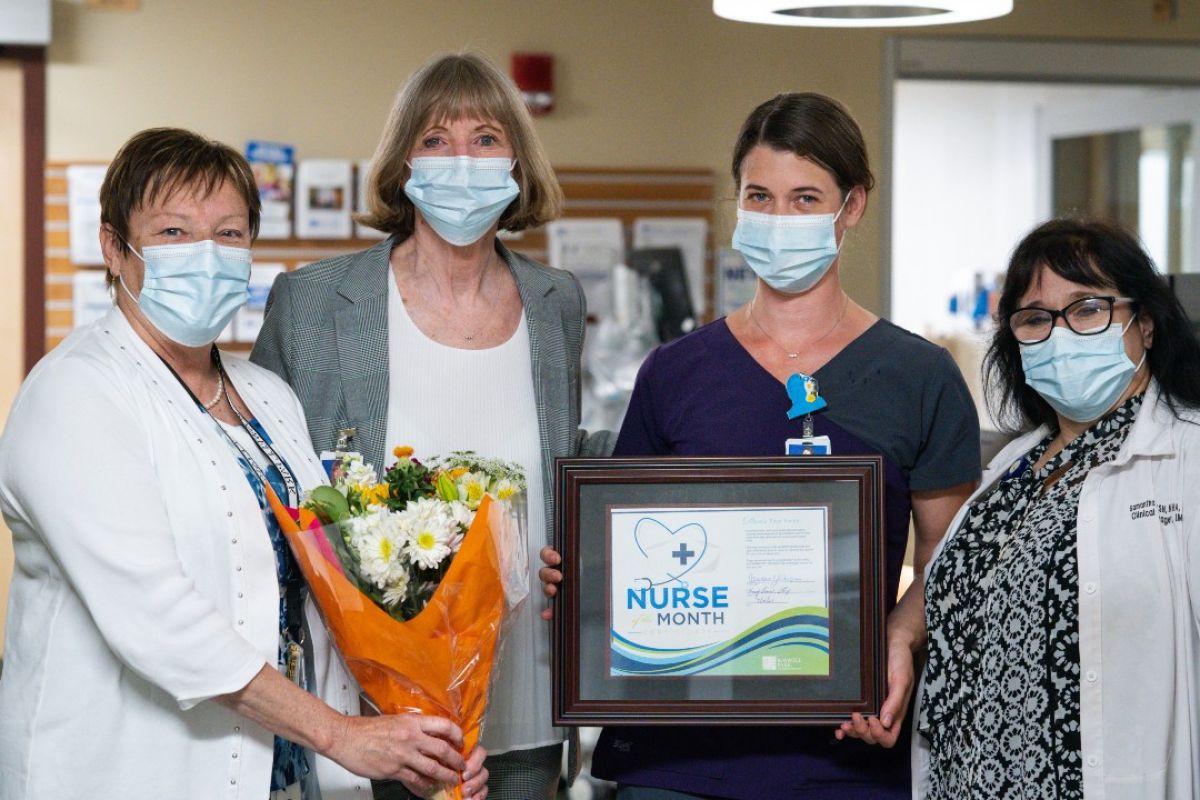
398, 536
415, 575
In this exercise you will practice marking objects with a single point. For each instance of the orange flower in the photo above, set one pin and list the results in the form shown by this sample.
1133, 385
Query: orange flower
458, 472
402, 451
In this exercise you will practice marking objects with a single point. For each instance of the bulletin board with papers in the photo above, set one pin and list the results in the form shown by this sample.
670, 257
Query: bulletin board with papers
650, 206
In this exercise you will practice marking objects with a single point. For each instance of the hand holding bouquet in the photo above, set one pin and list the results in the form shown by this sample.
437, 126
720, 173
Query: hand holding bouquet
415, 575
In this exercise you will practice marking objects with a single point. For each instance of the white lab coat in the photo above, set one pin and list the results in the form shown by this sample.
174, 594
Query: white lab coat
144, 583
1139, 611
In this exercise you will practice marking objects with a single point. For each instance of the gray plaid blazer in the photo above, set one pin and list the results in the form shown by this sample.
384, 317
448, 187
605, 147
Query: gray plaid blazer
325, 333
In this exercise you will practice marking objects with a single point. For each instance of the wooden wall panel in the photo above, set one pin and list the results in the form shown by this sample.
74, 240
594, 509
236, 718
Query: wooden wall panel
624, 193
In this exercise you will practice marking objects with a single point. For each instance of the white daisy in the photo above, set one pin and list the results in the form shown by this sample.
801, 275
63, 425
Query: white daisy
472, 486
463, 517
355, 470
396, 590
379, 539
429, 530
461, 514
505, 489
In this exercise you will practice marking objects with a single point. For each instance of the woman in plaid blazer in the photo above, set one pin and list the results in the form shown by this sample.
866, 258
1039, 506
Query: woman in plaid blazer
441, 338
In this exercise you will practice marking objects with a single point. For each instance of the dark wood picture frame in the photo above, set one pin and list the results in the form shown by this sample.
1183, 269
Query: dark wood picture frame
588, 490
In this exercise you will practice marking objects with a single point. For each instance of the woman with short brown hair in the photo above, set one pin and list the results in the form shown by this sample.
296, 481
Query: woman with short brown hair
158, 643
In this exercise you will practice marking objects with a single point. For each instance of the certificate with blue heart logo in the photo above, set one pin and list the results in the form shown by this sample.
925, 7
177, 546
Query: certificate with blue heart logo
721, 591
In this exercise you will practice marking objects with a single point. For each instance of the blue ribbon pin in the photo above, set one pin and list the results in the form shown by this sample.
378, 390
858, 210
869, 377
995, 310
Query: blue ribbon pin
802, 391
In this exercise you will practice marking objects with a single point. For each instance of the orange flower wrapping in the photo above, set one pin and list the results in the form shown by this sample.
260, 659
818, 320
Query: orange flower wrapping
440, 661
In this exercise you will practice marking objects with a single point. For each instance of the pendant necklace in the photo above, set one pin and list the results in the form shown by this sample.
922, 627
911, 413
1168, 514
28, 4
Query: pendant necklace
466, 337
796, 354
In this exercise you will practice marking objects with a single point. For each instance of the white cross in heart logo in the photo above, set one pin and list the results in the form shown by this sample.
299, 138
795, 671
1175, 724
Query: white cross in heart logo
670, 554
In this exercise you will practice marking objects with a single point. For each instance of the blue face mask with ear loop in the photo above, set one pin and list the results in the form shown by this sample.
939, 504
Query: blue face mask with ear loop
461, 197
190, 291
790, 252
1081, 377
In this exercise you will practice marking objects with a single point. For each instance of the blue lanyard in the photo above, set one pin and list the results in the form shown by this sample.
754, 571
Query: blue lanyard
264, 447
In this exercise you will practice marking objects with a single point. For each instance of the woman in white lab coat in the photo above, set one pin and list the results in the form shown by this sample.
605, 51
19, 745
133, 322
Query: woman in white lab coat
1063, 608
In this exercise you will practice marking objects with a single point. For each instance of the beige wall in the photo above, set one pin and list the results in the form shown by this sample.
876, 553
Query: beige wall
639, 82
12, 256
660, 83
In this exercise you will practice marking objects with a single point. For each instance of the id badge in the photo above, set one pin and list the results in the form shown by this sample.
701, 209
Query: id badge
331, 462
808, 446
293, 657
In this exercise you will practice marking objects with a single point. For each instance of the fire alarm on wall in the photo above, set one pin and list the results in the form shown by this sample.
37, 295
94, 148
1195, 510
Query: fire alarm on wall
534, 75
1166, 10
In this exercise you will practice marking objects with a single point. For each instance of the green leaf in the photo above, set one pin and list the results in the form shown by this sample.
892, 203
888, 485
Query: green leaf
446, 488
329, 504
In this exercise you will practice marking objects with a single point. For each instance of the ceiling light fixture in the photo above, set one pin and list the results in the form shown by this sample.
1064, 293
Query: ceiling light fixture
858, 14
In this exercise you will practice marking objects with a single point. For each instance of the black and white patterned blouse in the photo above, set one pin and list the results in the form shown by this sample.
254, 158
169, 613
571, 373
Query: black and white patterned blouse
1001, 709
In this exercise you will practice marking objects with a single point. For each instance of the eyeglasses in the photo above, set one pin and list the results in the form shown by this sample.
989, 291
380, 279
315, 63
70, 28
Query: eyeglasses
1086, 316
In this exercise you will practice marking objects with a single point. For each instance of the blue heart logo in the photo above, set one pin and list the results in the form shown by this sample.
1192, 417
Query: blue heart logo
670, 554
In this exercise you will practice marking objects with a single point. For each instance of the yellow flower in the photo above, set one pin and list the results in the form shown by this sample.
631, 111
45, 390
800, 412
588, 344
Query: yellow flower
426, 540
372, 495
458, 472
385, 549
474, 492
402, 451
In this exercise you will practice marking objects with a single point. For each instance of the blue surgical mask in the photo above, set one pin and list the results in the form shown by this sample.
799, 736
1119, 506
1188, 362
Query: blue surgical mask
790, 252
461, 197
1081, 377
190, 291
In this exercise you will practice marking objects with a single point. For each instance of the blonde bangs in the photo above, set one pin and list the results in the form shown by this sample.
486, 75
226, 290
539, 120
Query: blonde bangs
448, 89
457, 99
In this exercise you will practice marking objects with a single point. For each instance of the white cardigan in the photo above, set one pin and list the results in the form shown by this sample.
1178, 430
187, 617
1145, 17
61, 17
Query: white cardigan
1139, 611
144, 584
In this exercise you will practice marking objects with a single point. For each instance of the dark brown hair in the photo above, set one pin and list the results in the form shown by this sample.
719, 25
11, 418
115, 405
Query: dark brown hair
812, 126
160, 161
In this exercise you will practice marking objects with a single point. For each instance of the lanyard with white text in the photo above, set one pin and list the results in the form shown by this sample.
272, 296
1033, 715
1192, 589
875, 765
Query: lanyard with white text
293, 582
289, 480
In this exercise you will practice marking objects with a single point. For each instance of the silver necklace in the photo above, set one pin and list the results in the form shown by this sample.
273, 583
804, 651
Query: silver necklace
796, 354
482, 327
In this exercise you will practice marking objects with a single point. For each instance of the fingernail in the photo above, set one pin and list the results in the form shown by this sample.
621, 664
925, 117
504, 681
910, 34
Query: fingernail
887, 720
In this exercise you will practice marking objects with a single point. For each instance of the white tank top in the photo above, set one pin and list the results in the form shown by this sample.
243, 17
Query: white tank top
445, 398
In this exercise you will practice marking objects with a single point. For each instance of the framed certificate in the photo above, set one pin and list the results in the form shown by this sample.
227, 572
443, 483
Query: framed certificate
719, 590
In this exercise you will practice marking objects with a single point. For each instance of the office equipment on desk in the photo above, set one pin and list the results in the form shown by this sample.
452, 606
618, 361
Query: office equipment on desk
674, 314
690, 235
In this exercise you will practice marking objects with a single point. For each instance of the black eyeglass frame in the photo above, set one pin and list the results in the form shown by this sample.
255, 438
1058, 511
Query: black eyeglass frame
1055, 314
